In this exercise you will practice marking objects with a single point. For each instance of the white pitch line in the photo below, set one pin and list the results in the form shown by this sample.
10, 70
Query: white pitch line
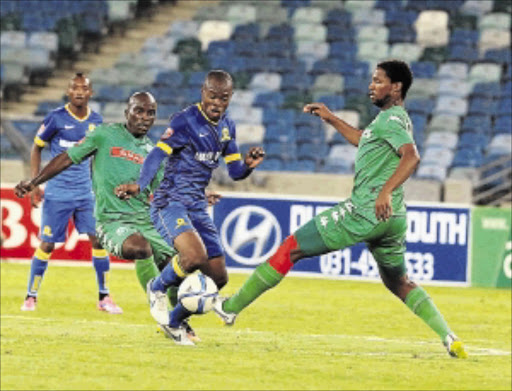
473, 350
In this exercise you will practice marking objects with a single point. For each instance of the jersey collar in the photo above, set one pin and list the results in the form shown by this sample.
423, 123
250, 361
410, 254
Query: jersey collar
205, 116
66, 106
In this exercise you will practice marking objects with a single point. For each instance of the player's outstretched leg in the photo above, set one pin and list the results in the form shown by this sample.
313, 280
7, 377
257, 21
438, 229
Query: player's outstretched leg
38, 268
265, 276
101, 263
176, 328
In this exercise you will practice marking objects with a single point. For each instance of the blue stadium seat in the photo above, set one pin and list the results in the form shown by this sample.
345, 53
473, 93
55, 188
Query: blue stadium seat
334, 102
467, 157
400, 17
344, 51
401, 33
164, 111
464, 37
46, 106
504, 106
27, 128
477, 124
481, 106
356, 85
277, 49
506, 90
338, 17
305, 165
269, 99
502, 124
296, 82
337, 33
246, 32
467, 54
424, 69
221, 48
312, 151
284, 151
271, 164
310, 135
284, 117
171, 79
487, 90
274, 132
472, 140
281, 31
420, 106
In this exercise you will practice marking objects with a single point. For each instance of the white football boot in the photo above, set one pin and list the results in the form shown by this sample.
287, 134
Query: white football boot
158, 304
227, 317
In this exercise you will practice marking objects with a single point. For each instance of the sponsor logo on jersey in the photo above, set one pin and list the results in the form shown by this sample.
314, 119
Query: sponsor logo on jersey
126, 154
212, 157
41, 129
180, 223
66, 143
47, 231
250, 234
67, 127
225, 134
168, 133
91, 127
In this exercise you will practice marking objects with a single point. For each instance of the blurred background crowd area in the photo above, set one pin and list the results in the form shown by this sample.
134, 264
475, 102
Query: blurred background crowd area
282, 55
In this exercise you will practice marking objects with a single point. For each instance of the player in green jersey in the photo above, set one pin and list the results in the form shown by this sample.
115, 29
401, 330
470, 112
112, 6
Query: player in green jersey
123, 228
374, 214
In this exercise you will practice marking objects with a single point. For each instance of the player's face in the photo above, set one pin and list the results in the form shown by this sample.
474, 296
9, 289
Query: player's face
140, 116
380, 88
215, 98
79, 91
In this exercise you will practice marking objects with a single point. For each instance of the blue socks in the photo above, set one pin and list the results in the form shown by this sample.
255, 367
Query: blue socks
178, 315
101, 263
37, 270
172, 275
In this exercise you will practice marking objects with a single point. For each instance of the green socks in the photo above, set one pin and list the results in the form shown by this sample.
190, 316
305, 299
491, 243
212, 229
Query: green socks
263, 278
146, 270
421, 304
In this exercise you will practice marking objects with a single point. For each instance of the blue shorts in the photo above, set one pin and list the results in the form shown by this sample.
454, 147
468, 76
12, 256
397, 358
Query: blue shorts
175, 219
56, 215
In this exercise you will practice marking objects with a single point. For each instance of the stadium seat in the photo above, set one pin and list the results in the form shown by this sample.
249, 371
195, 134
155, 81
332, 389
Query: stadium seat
484, 72
269, 99
467, 157
265, 82
304, 15
401, 34
476, 7
439, 156
494, 39
271, 164
328, 83
453, 87
250, 133
502, 124
13, 39
464, 37
344, 51
310, 32
250, 115
441, 140
372, 33
186, 28
453, 70
477, 124
275, 132
482, 106
472, 140
451, 105
241, 13
212, 30
463, 53
367, 16
432, 28
334, 102
423, 88
286, 118
501, 144
431, 172
406, 51
372, 51
444, 122
495, 20
420, 106
504, 106
423, 69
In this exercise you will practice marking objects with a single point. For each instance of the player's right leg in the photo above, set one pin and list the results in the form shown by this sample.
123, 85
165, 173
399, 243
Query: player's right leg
388, 251
54, 222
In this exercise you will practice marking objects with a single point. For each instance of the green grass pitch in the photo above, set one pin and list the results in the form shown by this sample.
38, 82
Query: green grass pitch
305, 334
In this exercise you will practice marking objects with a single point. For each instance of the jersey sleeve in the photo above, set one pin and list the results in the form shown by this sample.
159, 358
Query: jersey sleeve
237, 168
87, 146
46, 131
175, 136
397, 131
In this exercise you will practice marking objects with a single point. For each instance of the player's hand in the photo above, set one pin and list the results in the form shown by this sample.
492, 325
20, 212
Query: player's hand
127, 191
212, 197
254, 157
23, 188
320, 110
36, 197
383, 208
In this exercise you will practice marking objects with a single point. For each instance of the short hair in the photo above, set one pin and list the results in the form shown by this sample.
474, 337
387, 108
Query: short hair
398, 71
80, 75
220, 76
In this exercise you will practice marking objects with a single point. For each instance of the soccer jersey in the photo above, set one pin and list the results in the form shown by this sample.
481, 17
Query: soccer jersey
194, 144
61, 129
377, 159
118, 158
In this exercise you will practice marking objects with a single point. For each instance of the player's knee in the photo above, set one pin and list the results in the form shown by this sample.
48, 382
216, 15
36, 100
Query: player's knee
136, 247
221, 280
192, 259
47, 247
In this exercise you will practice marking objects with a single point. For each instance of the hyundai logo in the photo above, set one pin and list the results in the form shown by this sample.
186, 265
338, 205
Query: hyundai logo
250, 235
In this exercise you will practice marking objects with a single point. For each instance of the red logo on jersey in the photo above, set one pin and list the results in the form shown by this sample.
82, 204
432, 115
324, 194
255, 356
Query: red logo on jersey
125, 154
168, 133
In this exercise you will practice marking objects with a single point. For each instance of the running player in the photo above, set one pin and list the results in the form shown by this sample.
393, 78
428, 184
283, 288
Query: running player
195, 140
68, 195
123, 228
375, 213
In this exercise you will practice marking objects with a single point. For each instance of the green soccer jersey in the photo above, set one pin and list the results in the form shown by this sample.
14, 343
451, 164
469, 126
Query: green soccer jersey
377, 159
117, 159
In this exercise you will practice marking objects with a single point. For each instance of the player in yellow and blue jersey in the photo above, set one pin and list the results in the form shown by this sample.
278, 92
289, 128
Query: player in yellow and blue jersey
69, 194
195, 140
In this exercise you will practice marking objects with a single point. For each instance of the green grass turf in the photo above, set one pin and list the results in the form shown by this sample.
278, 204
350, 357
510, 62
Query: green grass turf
305, 334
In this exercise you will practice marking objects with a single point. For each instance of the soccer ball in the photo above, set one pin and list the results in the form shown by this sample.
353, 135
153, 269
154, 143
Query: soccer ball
197, 293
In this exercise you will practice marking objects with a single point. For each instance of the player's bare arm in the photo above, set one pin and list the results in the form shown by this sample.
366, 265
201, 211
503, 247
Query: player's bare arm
58, 164
409, 160
349, 132
254, 157
35, 166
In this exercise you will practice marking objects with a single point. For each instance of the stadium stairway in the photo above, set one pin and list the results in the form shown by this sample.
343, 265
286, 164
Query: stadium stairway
136, 34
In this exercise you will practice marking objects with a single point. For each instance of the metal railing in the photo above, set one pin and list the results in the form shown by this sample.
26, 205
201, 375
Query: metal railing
494, 189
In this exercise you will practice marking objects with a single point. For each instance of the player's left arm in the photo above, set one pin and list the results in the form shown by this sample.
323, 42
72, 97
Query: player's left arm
400, 138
